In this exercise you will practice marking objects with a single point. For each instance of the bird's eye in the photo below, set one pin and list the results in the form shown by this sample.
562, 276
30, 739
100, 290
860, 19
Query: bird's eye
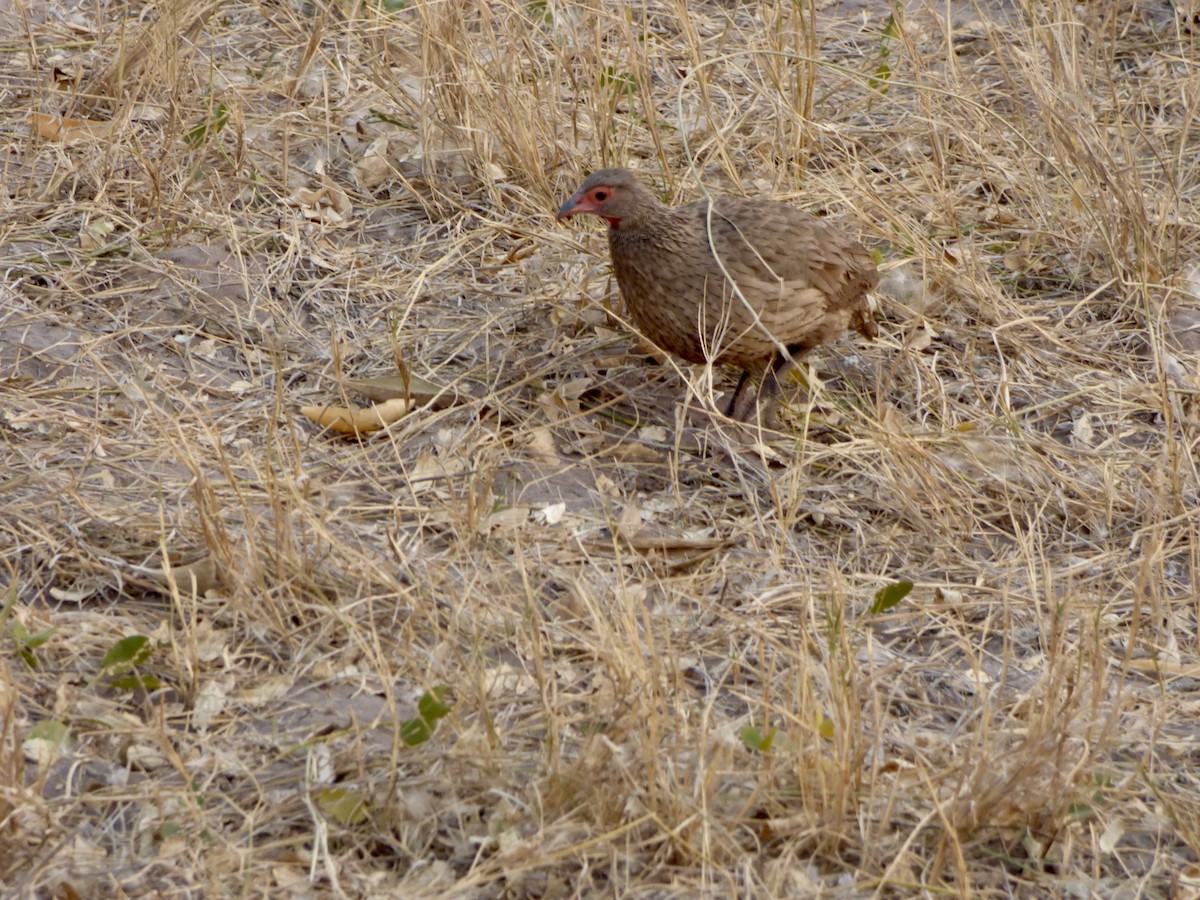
601, 195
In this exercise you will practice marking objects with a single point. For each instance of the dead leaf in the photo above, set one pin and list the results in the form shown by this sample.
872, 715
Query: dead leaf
78, 592
921, 338
630, 522
373, 167
575, 388
1083, 435
505, 521
211, 699
95, 234
198, 577
541, 444
1165, 669
394, 387
67, 130
551, 514
327, 205
431, 473
358, 422
653, 434
1112, 836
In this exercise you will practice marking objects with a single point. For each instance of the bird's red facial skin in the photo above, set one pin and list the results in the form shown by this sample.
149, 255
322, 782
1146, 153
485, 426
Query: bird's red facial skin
592, 202
598, 196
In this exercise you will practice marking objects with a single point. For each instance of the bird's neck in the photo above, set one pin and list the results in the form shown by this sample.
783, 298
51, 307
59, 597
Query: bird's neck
652, 218
647, 213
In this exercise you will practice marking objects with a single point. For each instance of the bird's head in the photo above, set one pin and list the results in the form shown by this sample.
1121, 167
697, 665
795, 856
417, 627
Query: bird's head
614, 195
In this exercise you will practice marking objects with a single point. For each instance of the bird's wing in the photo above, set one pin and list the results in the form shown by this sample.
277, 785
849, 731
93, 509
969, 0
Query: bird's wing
766, 242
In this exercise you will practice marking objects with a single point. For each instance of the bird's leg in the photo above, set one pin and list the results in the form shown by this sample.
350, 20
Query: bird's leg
770, 386
734, 401
746, 398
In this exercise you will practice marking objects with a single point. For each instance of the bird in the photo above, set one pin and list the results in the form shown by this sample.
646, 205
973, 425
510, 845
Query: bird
748, 282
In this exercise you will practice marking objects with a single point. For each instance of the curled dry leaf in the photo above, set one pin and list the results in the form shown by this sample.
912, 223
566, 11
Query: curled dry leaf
629, 526
1165, 668
152, 113
67, 130
95, 235
921, 338
541, 445
551, 514
357, 422
211, 700
1083, 435
505, 521
76, 594
637, 453
397, 387
653, 434
373, 167
327, 204
1189, 876
197, 577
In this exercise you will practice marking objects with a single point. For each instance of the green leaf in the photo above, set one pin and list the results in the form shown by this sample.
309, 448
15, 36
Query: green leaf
126, 653
1081, 811
9, 602
753, 738
882, 79
390, 120
130, 682
825, 728
415, 732
343, 805
51, 730
27, 643
620, 82
430, 706
37, 639
212, 125
886, 598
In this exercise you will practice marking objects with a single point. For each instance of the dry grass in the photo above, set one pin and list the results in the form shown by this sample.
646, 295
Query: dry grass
377, 186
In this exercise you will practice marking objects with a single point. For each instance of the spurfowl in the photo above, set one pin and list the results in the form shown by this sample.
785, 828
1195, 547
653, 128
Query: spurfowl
753, 283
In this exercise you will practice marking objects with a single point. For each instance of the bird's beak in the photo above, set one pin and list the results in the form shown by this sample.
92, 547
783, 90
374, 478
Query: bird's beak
568, 209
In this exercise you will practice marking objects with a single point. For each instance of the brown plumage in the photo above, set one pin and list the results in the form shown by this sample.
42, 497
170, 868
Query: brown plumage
736, 281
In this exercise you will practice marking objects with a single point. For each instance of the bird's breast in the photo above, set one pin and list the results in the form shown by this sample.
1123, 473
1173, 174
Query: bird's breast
683, 300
